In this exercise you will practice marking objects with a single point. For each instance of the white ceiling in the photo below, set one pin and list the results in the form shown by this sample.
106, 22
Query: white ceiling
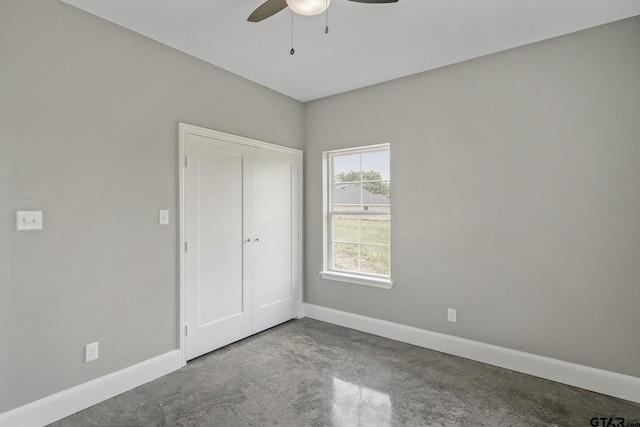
366, 44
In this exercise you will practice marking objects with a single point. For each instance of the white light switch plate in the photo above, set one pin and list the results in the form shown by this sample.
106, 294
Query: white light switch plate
28, 220
163, 217
451, 314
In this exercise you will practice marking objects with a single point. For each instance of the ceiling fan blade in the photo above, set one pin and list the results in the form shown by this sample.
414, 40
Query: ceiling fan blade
375, 1
267, 9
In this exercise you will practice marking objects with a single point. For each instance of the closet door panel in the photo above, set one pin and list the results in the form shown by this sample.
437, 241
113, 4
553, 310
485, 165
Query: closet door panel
218, 303
273, 259
220, 243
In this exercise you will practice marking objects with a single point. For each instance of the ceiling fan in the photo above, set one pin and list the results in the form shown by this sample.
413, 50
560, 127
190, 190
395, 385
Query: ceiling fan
301, 7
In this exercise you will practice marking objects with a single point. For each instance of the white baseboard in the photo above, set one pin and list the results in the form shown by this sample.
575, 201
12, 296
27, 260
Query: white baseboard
598, 380
70, 401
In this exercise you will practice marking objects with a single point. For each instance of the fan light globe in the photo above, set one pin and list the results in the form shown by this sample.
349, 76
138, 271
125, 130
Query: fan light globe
308, 7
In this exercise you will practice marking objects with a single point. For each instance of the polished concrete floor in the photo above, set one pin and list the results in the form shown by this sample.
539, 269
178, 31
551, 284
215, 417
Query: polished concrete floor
310, 373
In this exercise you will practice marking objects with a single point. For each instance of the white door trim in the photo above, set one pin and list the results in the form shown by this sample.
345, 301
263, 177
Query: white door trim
187, 129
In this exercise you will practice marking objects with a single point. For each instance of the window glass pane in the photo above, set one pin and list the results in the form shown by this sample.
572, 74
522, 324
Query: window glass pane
375, 196
345, 257
375, 165
345, 228
375, 259
346, 168
375, 229
347, 197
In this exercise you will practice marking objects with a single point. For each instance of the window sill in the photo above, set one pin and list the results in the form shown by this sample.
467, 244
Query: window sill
357, 279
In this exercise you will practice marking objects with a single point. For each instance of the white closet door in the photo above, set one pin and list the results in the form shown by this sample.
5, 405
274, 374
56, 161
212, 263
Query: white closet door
218, 305
273, 251
240, 224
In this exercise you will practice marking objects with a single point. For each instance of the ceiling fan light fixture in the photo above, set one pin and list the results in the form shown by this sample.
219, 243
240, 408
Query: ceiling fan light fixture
308, 7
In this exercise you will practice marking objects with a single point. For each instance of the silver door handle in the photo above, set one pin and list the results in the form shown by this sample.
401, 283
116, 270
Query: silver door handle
256, 239
248, 240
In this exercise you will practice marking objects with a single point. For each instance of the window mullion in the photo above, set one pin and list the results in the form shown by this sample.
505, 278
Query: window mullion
360, 217
356, 213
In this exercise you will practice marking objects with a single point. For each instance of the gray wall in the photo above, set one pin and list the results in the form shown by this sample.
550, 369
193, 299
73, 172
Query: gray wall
516, 197
89, 118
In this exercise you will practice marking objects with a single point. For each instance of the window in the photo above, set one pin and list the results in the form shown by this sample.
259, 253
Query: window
357, 208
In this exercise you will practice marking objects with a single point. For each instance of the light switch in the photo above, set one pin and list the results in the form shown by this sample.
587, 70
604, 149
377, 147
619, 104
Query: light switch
163, 217
28, 220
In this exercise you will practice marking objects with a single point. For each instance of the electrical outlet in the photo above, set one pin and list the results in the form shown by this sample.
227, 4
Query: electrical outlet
91, 352
451, 314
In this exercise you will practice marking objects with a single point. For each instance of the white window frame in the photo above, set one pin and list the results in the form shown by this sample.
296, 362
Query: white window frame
359, 278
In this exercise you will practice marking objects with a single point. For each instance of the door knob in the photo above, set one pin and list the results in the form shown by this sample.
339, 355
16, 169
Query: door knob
256, 239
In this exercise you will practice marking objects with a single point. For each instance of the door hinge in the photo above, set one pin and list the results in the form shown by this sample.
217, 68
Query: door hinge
186, 330
186, 246
186, 162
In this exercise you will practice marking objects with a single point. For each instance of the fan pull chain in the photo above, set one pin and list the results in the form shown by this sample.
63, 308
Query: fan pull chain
292, 51
326, 17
